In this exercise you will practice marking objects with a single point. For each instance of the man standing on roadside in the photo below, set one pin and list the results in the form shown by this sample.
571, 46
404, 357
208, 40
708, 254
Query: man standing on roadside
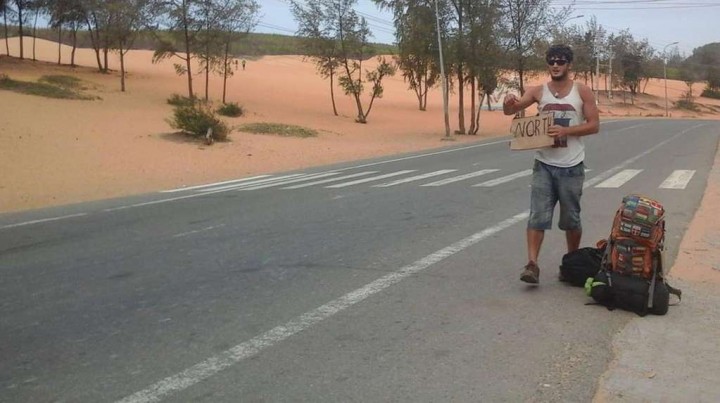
558, 173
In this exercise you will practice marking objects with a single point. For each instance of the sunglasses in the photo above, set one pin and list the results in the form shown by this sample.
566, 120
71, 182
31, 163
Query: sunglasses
559, 62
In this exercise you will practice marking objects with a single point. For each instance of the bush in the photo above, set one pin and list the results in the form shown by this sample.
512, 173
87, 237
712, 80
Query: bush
62, 81
711, 93
43, 89
279, 129
179, 100
196, 119
687, 104
232, 110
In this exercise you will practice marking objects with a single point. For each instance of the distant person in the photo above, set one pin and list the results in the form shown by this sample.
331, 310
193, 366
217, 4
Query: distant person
243, 64
558, 172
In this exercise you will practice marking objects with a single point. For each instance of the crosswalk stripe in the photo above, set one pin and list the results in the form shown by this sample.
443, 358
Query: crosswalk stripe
289, 181
505, 179
679, 179
338, 178
373, 178
461, 177
415, 178
257, 182
619, 178
213, 184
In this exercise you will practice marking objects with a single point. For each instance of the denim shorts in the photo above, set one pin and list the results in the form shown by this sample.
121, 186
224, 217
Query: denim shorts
550, 185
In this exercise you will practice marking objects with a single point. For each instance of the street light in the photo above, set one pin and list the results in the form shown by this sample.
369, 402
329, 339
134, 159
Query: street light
665, 75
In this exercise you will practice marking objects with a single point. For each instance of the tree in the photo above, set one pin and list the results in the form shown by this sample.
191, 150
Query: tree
68, 14
415, 31
527, 21
351, 34
182, 19
631, 59
241, 16
713, 78
484, 56
127, 18
460, 7
209, 47
6, 12
704, 63
319, 43
21, 6
99, 20
38, 7
632, 73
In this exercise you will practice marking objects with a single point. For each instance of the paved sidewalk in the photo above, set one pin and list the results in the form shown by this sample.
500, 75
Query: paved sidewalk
676, 358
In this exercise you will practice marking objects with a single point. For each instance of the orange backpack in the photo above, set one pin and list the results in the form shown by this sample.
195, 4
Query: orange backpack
637, 238
631, 275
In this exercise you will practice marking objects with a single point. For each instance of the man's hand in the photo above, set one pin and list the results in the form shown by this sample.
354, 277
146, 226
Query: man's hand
557, 131
509, 104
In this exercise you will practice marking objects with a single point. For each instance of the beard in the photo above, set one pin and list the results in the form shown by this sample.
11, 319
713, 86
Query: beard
560, 77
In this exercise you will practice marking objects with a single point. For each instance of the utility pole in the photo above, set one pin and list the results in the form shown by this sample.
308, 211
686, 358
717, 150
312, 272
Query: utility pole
665, 75
444, 77
597, 74
610, 94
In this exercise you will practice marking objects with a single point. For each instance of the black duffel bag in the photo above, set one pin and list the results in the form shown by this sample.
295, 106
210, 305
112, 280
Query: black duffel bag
631, 293
579, 265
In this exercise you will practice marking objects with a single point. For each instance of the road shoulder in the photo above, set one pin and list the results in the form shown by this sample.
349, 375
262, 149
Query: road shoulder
675, 357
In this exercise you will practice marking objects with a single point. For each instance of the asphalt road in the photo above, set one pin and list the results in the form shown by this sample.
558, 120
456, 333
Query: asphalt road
311, 286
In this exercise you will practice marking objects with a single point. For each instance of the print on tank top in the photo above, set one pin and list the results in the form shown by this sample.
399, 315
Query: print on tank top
562, 114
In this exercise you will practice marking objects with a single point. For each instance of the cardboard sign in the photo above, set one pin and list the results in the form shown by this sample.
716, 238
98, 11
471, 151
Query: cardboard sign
532, 132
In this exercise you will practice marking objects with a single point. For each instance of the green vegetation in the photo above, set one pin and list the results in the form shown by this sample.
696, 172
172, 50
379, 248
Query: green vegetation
59, 87
231, 109
251, 44
279, 129
708, 93
69, 82
179, 100
687, 102
196, 119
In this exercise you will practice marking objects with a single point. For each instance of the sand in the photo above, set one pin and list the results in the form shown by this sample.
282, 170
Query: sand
58, 152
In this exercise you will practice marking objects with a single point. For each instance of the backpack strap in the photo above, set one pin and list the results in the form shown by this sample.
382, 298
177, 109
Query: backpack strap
676, 292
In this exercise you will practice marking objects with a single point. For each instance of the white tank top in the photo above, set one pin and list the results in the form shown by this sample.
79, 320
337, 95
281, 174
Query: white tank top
569, 107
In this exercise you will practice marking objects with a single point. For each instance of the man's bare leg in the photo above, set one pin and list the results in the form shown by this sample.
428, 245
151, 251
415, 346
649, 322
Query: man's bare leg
531, 273
534, 242
573, 239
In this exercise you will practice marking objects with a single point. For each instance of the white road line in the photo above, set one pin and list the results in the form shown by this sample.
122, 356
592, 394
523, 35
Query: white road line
247, 349
232, 356
617, 168
588, 183
679, 179
286, 182
253, 183
619, 178
415, 178
339, 178
150, 203
505, 179
373, 178
214, 184
461, 177
506, 141
630, 127
22, 224
182, 234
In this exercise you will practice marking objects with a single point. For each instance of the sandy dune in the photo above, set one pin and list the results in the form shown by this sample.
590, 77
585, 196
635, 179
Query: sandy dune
59, 151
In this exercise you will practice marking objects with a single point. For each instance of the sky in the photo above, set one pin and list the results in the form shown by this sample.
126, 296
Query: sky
661, 22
